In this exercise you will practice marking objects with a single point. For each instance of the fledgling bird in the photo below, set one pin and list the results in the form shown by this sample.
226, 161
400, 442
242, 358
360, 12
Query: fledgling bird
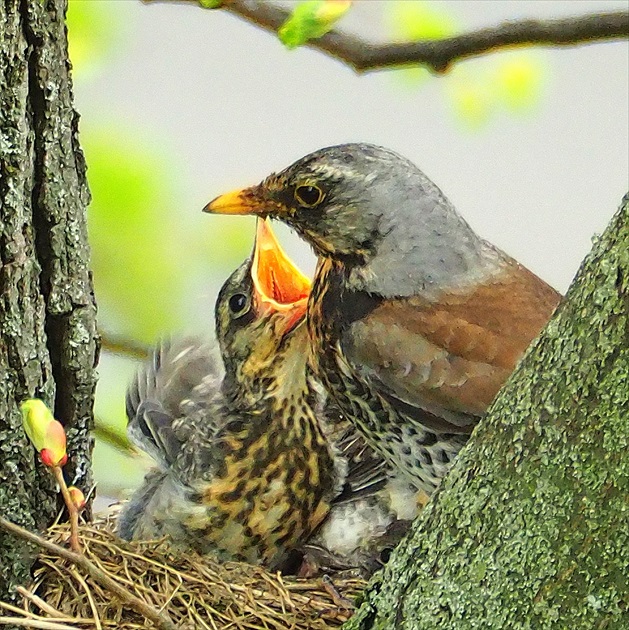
246, 470
272, 416
415, 321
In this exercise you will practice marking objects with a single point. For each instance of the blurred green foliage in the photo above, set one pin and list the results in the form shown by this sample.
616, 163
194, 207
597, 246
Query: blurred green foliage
135, 279
510, 83
411, 21
476, 91
95, 34
147, 255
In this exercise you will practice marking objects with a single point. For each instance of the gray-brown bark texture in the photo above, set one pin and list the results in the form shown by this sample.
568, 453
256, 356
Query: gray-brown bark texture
531, 528
48, 342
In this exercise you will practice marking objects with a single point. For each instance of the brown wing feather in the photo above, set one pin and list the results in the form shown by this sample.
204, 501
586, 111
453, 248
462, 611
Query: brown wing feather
451, 358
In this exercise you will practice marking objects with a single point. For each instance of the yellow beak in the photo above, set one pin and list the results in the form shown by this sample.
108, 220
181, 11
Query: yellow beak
234, 202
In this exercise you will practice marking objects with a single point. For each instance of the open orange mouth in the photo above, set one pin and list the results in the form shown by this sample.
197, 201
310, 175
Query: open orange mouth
279, 286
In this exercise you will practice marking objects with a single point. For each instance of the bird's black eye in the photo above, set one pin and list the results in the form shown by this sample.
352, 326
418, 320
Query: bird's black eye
238, 303
309, 196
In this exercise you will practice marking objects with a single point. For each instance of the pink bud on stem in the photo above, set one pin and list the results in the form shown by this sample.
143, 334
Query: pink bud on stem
49, 438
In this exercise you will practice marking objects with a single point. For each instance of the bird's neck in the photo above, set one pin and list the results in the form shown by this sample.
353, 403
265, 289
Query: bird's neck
283, 412
422, 247
281, 394
326, 316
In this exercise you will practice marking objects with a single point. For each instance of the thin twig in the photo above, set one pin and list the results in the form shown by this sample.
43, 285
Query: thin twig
27, 614
77, 576
113, 437
439, 55
24, 612
71, 507
123, 346
39, 602
337, 598
34, 623
161, 620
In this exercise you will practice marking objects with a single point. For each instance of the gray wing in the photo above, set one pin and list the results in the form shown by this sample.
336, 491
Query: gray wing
367, 471
168, 394
136, 510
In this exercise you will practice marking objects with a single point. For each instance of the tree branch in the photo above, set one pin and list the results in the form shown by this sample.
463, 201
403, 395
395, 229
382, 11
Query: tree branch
123, 346
439, 55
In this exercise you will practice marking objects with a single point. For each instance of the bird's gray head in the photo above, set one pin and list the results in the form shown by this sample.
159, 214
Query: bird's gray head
339, 198
368, 207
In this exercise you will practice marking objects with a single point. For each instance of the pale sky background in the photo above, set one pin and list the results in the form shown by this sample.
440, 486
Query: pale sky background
232, 104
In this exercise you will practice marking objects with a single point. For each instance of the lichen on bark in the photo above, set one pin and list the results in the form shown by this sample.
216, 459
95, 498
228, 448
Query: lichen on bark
531, 527
48, 341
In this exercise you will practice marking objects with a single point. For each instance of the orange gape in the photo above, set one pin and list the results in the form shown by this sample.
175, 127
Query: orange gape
274, 275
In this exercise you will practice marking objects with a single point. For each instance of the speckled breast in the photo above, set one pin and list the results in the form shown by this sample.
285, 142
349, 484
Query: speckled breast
269, 493
421, 454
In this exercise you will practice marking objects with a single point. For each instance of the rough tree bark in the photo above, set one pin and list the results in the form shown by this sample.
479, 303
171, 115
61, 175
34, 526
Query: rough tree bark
48, 341
531, 527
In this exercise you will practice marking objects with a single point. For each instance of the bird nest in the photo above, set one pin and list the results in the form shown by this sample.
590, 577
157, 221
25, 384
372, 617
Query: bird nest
115, 584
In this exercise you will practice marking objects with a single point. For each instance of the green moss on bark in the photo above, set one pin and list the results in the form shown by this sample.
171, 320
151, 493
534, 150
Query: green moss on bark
531, 527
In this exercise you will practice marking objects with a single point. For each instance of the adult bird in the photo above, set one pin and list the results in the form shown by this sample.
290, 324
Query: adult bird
249, 461
415, 321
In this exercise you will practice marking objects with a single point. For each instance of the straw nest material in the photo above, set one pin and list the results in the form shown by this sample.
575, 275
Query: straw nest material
185, 591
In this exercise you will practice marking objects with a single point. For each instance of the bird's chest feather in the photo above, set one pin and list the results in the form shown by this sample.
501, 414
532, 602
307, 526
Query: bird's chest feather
332, 310
272, 489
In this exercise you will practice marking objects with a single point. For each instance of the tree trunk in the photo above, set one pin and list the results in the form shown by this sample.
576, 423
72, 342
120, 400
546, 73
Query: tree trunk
48, 342
531, 527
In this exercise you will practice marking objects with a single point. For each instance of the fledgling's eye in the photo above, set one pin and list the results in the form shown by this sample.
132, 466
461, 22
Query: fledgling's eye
308, 195
238, 304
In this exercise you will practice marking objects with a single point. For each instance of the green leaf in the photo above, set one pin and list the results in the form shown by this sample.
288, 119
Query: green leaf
45, 433
310, 20
36, 418
210, 4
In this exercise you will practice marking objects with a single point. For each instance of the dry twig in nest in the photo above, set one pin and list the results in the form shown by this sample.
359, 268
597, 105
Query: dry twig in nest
187, 591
